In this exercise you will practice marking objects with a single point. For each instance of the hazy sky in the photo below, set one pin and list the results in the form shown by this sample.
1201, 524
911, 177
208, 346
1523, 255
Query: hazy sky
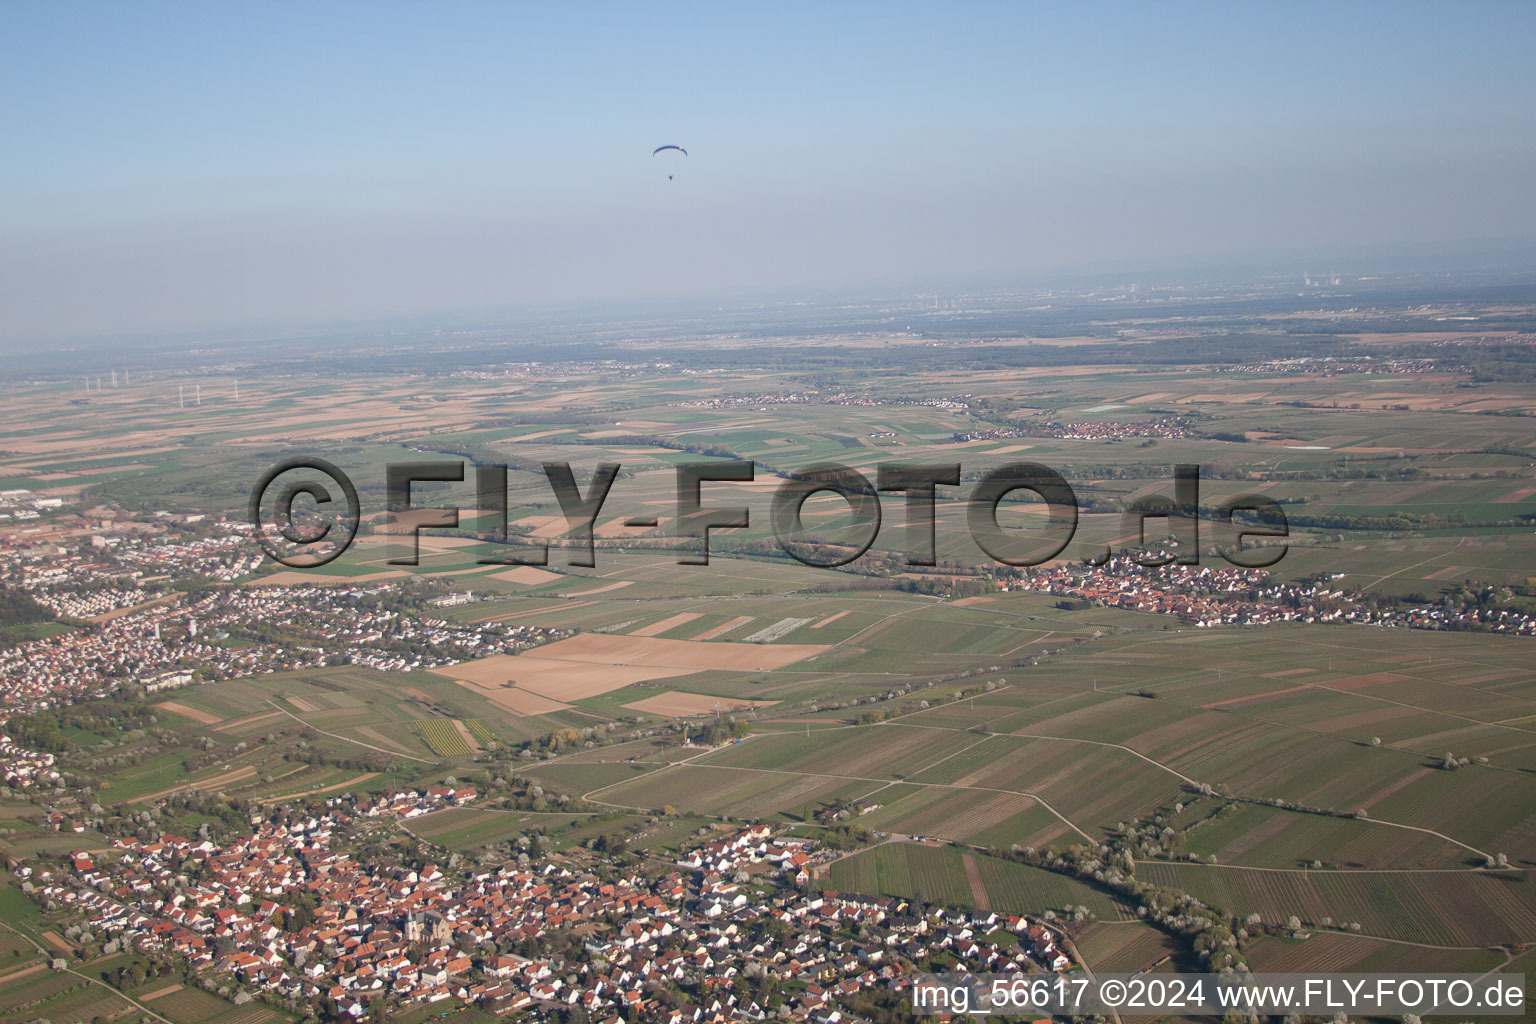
172, 165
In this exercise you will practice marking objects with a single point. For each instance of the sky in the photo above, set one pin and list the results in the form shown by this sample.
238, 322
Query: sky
172, 166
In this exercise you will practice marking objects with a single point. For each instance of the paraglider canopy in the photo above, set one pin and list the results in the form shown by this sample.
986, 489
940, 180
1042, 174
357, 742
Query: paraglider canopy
663, 149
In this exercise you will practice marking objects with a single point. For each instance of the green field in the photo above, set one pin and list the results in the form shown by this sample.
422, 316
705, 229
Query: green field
469, 828
1447, 908
939, 875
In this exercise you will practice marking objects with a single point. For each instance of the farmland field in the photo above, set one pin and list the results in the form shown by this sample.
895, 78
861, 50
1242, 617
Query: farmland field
1127, 947
33, 987
468, 828
938, 874
1447, 908
190, 1005
1264, 837
444, 736
1347, 737
1332, 951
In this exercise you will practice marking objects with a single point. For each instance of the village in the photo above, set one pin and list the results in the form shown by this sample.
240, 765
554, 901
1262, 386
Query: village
953, 403
733, 931
146, 633
1204, 597
1162, 427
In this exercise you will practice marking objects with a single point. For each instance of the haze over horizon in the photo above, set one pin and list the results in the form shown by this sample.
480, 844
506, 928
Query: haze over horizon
175, 166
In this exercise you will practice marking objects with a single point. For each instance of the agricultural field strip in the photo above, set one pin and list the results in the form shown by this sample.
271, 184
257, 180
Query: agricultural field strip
1414, 707
319, 789
1198, 674
1410, 568
1421, 708
974, 880
1087, 963
1297, 727
348, 739
443, 735
1459, 660
1100, 743
591, 795
907, 610
1374, 936
928, 767
920, 711
1252, 716
1379, 821
1302, 684
1072, 951
1189, 676
878, 622
1509, 957
405, 827
218, 781
35, 967
88, 979
275, 779
480, 815
464, 734
1352, 871
1065, 739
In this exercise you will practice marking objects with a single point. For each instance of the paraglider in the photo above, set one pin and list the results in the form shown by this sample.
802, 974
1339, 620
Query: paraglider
663, 149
